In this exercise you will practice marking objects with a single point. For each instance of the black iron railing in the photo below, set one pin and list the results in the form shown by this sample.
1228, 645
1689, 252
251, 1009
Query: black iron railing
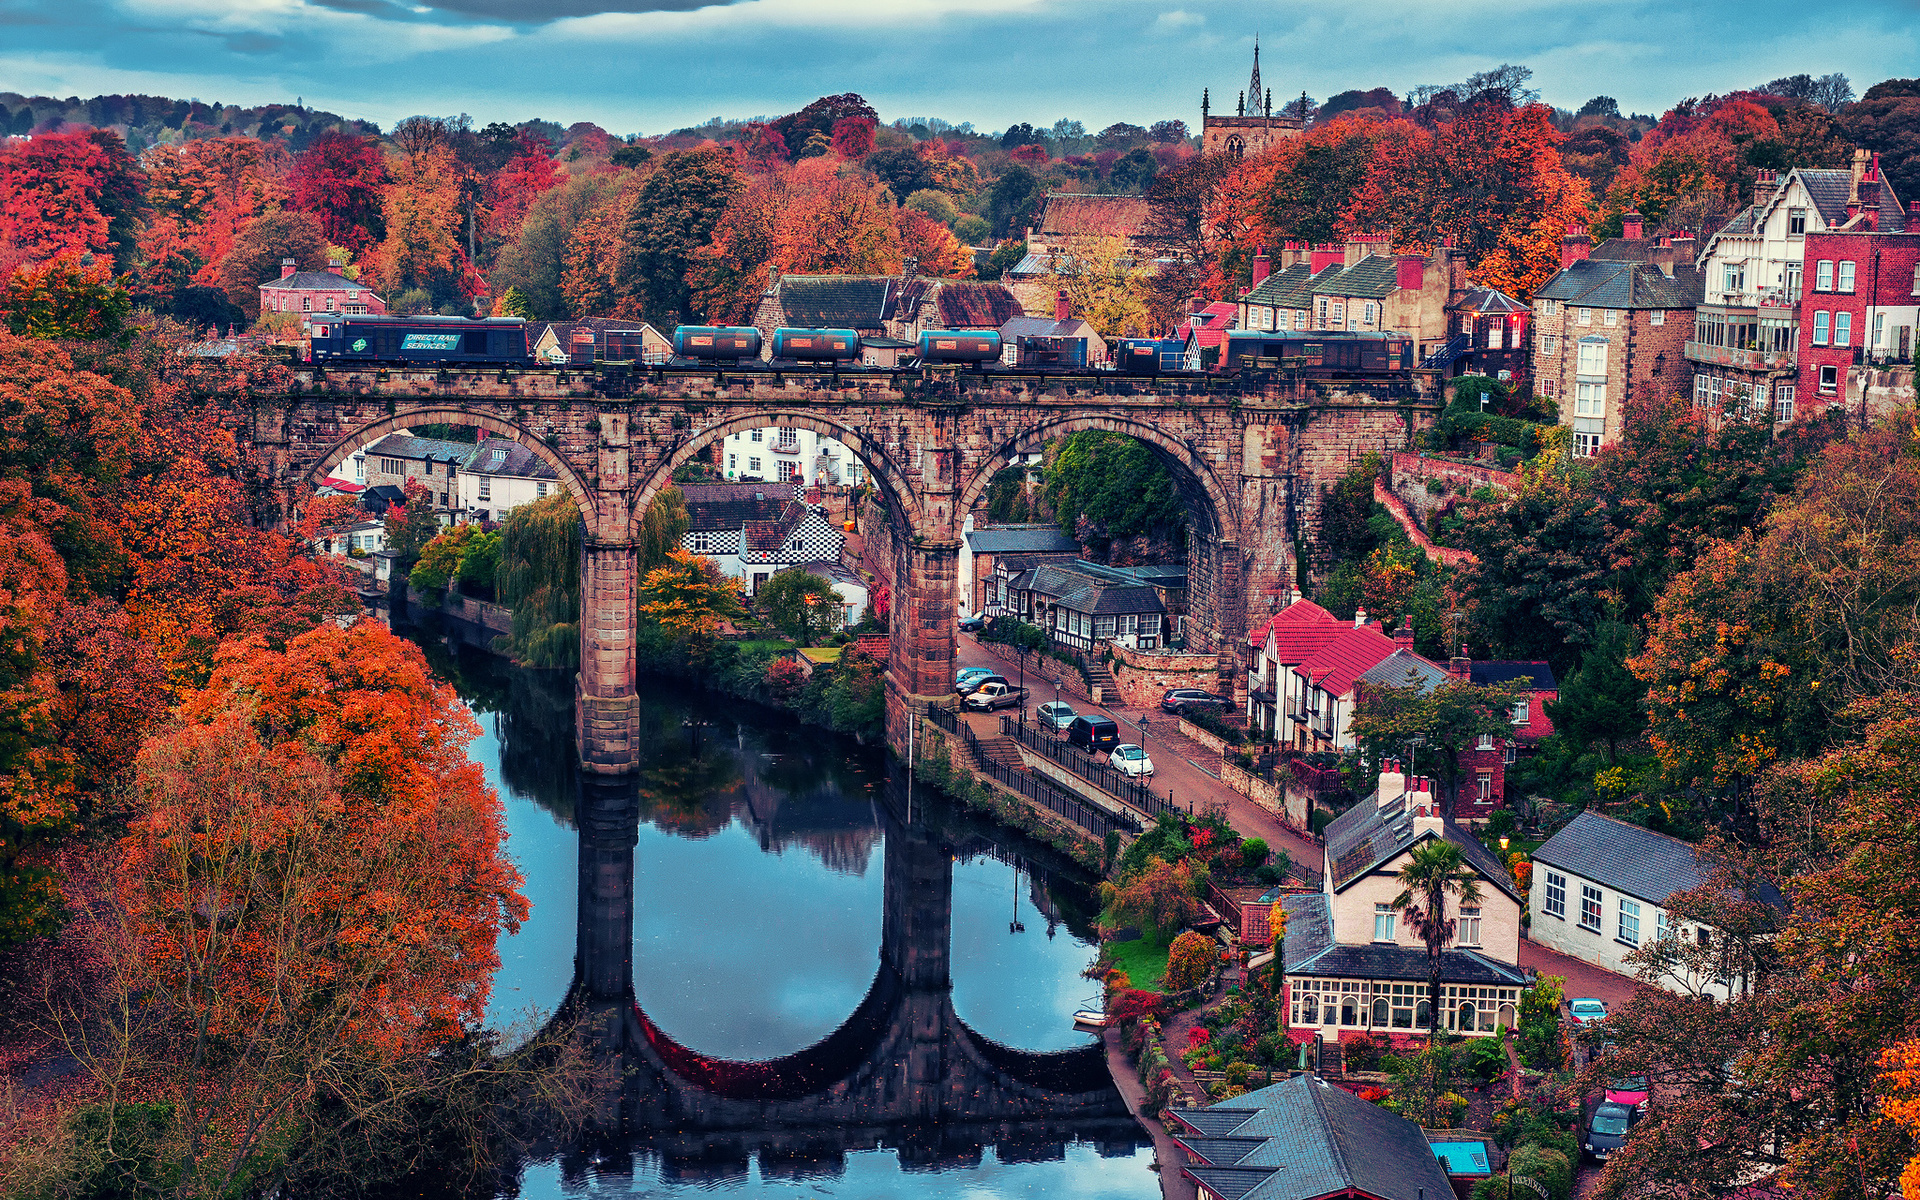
1102, 775
1037, 788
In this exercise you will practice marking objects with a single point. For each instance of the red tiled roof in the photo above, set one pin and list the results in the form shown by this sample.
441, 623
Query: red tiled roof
1214, 321
1299, 610
1345, 658
1298, 641
976, 305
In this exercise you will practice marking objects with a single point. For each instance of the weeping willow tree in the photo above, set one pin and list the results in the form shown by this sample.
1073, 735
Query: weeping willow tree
539, 578
539, 572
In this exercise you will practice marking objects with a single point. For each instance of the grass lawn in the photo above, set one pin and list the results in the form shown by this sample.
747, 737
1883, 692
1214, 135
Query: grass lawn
1143, 961
822, 654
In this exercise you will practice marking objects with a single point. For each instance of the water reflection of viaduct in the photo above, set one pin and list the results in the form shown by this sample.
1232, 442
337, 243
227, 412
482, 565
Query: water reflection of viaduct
903, 1071
1251, 459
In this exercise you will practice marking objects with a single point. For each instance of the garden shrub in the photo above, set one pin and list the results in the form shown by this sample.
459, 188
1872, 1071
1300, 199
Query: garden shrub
1253, 852
1189, 961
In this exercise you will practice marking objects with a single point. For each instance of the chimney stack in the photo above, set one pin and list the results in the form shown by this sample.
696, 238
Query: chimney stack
1460, 666
1062, 307
1194, 304
1425, 807
1575, 246
1763, 185
1393, 784
286, 267
1359, 618
1261, 267
1410, 272
1329, 255
337, 265
1633, 227
1861, 161
1403, 635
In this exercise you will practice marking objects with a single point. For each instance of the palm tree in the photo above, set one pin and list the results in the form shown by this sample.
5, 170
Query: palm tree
1436, 869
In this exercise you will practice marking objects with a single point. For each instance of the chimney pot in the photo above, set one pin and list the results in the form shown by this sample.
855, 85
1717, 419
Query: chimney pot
1359, 618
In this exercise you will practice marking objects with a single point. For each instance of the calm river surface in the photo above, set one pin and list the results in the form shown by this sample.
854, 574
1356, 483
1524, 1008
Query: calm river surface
813, 992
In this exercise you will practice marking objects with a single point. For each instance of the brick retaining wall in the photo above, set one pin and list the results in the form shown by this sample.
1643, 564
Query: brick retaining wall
1143, 676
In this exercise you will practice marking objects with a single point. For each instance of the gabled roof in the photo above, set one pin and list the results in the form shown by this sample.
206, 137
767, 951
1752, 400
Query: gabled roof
1209, 326
1084, 214
405, 445
1278, 288
1299, 610
1487, 300
1621, 249
504, 456
1627, 858
1370, 835
1403, 668
1614, 283
1046, 540
767, 536
1829, 189
1374, 277
1336, 665
1072, 327
727, 506
1106, 598
1313, 1140
1296, 641
836, 301
1497, 671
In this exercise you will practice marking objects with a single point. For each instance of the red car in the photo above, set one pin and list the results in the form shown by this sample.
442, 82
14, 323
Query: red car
1628, 1091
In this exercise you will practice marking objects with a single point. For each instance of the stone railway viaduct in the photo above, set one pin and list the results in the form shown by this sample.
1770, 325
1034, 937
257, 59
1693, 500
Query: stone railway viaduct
1251, 458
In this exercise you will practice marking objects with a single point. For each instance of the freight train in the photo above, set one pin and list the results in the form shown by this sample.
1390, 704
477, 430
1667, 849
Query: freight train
503, 342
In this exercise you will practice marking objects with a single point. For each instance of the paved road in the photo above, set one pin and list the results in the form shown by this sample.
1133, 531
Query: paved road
1186, 774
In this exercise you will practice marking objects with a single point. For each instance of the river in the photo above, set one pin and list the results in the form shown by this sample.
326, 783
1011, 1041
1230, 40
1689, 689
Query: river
818, 982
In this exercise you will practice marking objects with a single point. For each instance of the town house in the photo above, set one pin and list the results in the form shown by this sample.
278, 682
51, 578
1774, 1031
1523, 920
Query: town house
499, 475
753, 531
1614, 324
435, 463
889, 312
983, 550
1862, 303
1080, 603
1354, 965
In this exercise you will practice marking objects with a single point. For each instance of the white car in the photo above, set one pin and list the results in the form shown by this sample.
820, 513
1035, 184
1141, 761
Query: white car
1132, 760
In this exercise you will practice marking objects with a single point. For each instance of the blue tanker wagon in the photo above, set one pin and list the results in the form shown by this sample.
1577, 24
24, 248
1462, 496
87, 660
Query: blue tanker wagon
437, 340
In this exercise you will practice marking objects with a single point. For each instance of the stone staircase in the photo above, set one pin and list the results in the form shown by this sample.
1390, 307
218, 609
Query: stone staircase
1003, 750
1100, 682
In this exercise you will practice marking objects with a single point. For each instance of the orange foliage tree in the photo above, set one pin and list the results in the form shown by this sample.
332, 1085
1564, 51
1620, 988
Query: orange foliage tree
69, 192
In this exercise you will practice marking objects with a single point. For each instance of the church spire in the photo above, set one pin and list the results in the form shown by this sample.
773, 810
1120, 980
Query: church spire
1253, 86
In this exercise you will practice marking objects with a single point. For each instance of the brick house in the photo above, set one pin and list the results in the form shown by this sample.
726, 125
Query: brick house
319, 291
1486, 335
1483, 768
399, 457
1607, 329
1862, 301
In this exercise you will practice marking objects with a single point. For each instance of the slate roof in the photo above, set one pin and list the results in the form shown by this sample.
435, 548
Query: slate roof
1373, 277
316, 281
1086, 214
1315, 1139
1280, 288
1614, 283
1619, 249
970, 304
504, 456
1105, 598
1498, 671
1406, 962
1336, 665
1019, 327
728, 506
766, 536
1829, 189
1627, 858
1369, 835
1404, 668
403, 445
836, 301
1048, 540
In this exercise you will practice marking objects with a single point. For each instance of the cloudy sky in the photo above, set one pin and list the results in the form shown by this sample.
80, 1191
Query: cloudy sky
652, 65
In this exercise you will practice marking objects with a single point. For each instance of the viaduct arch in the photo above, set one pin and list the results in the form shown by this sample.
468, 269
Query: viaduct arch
1252, 458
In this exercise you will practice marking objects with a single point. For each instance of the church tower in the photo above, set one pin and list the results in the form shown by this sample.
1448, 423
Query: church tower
1254, 128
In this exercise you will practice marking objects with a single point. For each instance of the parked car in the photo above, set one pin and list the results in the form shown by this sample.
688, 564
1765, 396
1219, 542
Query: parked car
995, 694
1181, 699
1628, 1091
1132, 760
979, 681
966, 676
1607, 1130
1055, 715
973, 624
1093, 732
1586, 1010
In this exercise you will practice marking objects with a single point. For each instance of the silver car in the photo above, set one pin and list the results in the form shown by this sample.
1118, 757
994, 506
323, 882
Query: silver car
1055, 715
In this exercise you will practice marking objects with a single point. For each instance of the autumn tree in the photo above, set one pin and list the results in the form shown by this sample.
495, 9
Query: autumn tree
1448, 719
440, 560
339, 179
257, 252
70, 192
1160, 898
835, 225
65, 297
689, 597
1190, 959
1105, 285
535, 264
424, 212
936, 252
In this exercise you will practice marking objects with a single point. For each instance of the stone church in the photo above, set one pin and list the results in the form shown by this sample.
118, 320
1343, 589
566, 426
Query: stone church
1254, 128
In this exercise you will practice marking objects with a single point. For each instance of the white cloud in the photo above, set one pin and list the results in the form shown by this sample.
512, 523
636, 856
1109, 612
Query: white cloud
1176, 20
841, 15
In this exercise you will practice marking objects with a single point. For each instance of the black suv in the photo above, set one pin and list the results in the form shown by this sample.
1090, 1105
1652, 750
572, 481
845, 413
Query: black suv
1181, 699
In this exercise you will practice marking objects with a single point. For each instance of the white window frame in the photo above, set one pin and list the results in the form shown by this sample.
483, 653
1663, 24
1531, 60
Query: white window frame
1486, 742
1845, 283
485, 485
1610, 317
1383, 922
1469, 930
1783, 402
1586, 316
1823, 275
1829, 380
1593, 907
1555, 900
1590, 360
1589, 399
1843, 328
1629, 921
1821, 321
